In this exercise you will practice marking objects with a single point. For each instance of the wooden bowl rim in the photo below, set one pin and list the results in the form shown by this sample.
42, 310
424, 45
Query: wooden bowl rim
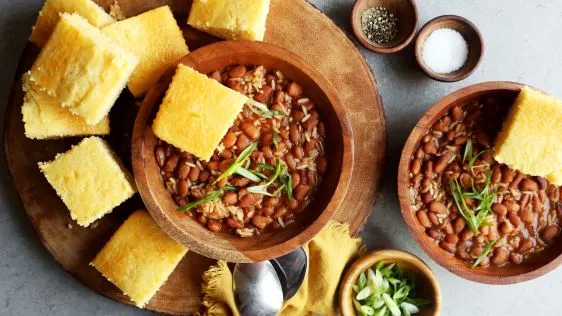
443, 77
209, 249
374, 47
369, 259
408, 213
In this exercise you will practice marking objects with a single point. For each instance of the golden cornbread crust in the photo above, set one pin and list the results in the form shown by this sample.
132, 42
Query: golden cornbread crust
196, 112
156, 38
530, 137
231, 19
50, 15
139, 258
82, 68
90, 180
44, 118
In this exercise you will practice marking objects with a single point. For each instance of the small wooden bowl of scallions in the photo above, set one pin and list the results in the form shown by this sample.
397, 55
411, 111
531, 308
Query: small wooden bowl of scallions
389, 282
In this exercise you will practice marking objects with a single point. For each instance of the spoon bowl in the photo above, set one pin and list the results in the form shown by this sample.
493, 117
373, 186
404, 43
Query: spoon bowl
257, 290
291, 270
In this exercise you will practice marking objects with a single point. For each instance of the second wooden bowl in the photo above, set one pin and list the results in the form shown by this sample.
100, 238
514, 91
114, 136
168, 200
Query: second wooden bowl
224, 245
531, 268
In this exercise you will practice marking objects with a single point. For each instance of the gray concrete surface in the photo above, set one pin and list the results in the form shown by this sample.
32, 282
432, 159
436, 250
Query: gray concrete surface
522, 44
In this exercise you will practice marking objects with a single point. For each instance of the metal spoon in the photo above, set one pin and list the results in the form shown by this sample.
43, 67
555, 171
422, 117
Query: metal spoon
257, 289
260, 288
291, 270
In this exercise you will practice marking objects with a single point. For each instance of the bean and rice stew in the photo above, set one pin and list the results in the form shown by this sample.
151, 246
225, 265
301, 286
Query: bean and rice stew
473, 207
267, 167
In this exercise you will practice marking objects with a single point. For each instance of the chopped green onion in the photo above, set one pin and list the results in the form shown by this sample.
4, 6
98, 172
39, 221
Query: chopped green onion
409, 308
484, 254
382, 311
265, 167
210, 197
247, 174
364, 293
391, 304
362, 280
386, 290
275, 140
367, 310
357, 306
287, 182
265, 111
262, 189
244, 155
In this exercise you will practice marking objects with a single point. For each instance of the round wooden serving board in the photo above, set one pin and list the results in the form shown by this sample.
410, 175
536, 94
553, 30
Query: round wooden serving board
293, 24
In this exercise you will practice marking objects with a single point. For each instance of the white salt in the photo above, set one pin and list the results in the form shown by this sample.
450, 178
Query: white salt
445, 51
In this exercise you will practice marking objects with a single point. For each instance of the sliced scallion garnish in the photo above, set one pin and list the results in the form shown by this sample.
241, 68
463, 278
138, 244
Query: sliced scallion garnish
262, 189
265, 111
484, 254
244, 155
248, 174
386, 290
215, 195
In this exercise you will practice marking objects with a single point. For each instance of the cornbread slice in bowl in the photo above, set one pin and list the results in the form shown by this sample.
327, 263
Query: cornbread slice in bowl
139, 258
82, 68
530, 138
224, 245
196, 112
90, 180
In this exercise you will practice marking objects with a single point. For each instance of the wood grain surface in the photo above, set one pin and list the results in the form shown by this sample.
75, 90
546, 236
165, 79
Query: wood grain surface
293, 24
533, 267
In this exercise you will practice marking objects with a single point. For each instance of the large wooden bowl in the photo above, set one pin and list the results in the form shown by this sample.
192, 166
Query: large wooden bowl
531, 268
339, 152
427, 286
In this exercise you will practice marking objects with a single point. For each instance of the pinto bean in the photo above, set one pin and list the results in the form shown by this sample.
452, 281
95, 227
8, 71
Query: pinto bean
301, 192
160, 154
251, 130
261, 221
550, 232
171, 163
423, 219
294, 90
500, 256
438, 207
237, 71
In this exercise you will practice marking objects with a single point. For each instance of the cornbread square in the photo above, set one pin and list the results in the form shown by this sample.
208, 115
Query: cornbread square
82, 68
153, 36
196, 112
50, 15
44, 117
90, 180
231, 19
139, 257
530, 137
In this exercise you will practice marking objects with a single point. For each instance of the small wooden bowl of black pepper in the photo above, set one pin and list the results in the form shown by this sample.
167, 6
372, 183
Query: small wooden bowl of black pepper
384, 26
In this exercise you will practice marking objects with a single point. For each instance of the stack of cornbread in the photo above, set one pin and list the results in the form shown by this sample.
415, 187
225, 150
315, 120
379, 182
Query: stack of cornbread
87, 59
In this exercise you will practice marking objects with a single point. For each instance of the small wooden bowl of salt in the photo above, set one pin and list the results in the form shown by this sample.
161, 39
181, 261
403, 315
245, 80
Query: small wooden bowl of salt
449, 48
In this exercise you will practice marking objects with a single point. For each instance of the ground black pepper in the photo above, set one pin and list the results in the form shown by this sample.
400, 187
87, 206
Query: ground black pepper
379, 25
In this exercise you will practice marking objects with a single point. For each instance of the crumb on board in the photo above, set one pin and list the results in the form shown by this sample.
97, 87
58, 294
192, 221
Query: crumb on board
116, 12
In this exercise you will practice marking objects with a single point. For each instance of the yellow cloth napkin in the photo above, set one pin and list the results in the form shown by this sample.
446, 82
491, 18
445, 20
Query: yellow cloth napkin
329, 253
